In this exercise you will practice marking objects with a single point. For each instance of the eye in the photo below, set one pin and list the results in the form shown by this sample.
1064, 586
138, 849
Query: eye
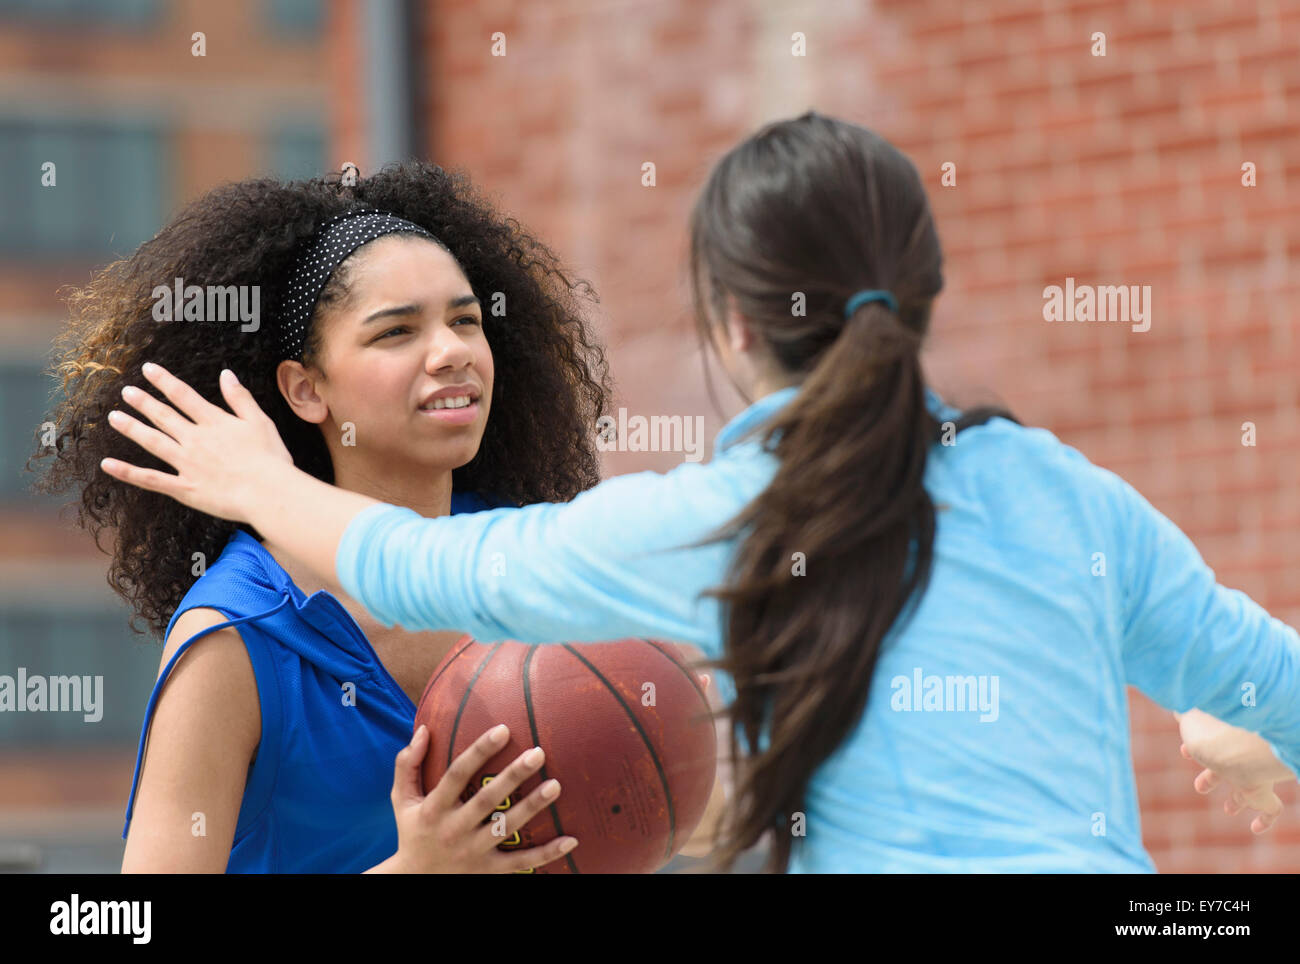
395, 330
470, 318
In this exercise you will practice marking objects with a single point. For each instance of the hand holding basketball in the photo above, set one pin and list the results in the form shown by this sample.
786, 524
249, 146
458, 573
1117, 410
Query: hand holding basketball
438, 834
626, 728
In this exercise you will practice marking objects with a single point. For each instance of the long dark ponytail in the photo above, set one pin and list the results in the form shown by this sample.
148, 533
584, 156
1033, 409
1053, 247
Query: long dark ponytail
791, 223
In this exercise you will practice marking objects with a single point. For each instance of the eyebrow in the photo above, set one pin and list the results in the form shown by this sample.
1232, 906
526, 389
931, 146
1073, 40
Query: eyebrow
414, 309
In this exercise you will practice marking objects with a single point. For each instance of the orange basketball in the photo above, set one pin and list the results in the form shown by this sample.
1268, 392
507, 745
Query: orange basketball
626, 730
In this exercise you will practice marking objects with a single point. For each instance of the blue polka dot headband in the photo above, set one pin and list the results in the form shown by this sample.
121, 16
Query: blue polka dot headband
865, 296
321, 254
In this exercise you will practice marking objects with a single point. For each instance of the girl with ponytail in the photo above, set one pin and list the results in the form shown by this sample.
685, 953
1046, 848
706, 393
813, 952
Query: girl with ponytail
925, 670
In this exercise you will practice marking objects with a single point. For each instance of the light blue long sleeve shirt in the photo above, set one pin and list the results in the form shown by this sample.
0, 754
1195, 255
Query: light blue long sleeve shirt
996, 732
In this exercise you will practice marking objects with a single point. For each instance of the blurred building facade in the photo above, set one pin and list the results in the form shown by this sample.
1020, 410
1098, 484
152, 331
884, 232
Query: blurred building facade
1121, 169
113, 95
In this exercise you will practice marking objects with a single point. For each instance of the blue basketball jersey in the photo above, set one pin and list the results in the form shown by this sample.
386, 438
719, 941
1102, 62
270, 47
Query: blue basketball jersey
333, 719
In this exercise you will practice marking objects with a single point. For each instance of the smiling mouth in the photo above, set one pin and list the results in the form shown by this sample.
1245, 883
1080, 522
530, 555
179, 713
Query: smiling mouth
464, 416
453, 403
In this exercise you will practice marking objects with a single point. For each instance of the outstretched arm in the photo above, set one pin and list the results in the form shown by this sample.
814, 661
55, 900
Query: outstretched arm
1191, 643
614, 562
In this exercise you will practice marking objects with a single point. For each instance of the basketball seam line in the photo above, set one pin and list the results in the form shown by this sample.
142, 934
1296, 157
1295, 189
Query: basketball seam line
663, 777
689, 675
445, 666
451, 742
532, 728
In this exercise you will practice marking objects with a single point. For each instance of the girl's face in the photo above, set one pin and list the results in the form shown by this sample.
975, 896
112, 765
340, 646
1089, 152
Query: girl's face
409, 330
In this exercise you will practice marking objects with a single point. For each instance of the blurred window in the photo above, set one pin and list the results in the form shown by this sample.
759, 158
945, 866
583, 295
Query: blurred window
110, 185
296, 18
297, 152
26, 399
128, 12
68, 638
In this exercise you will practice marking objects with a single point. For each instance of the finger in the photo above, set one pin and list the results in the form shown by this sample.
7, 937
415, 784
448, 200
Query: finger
1268, 816
150, 439
1183, 750
1205, 781
495, 792
239, 398
1260, 798
509, 861
523, 811
198, 408
149, 479
406, 768
453, 782
161, 414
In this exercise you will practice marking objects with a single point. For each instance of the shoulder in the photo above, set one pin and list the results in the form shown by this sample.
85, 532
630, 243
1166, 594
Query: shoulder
1025, 476
1004, 447
245, 559
213, 679
243, 581
202, 737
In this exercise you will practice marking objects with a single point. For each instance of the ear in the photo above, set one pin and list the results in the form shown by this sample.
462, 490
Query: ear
298, 386
739, 333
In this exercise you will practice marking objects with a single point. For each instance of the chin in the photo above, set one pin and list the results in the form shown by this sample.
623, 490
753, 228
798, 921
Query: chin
447, 457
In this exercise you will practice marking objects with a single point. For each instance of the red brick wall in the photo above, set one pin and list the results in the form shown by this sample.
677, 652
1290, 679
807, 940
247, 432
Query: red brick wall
1123, 169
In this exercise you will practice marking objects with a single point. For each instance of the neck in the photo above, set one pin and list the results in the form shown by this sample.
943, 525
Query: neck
425, 491
775, 384
770, 382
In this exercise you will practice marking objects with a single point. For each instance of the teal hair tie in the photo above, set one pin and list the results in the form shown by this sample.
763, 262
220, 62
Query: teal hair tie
862, 297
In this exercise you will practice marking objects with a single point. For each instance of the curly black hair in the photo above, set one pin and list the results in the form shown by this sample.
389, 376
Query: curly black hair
552, 378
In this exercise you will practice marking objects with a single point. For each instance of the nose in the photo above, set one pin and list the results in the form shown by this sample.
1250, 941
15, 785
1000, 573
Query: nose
447, 350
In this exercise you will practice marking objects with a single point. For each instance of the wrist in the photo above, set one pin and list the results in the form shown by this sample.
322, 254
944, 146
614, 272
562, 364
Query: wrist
1258, 767
269, 486
1275, 770
1281, 773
